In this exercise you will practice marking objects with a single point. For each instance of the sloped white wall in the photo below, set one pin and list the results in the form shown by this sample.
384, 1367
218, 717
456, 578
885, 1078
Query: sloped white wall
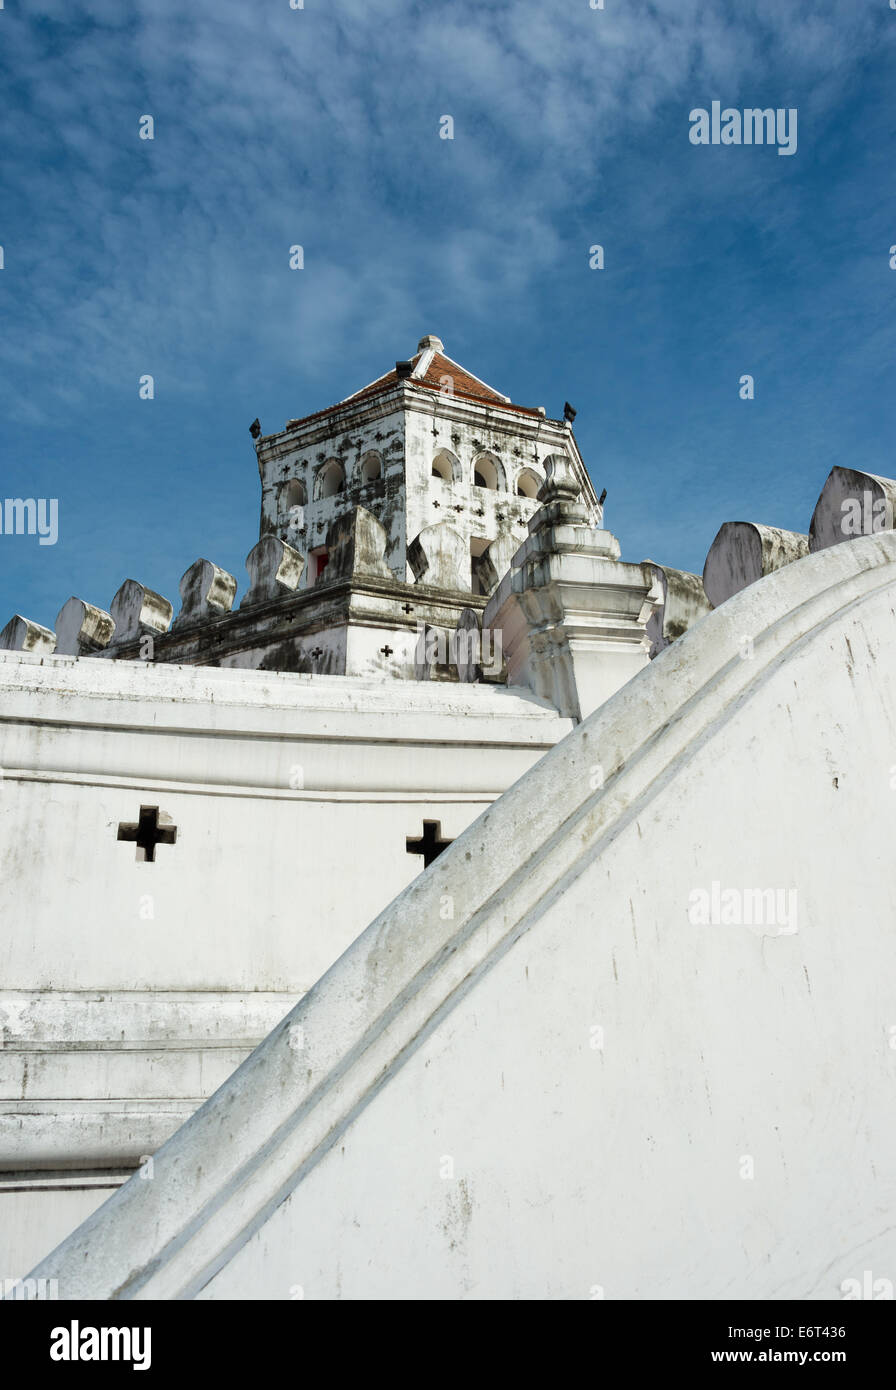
570, 1088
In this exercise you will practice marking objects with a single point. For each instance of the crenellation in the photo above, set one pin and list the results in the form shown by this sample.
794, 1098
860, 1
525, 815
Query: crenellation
680, 601
275, 569
82, 629
744, 551
852, 503
438, 557
22, 635
206, 592
137, 611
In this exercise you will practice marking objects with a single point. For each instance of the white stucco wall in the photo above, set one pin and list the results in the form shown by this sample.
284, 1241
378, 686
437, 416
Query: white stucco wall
300, 454
407, 427
129, 991
569, 1086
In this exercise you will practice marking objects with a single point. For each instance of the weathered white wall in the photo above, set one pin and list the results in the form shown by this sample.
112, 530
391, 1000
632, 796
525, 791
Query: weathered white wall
468, 431
407, 427
38, 1213
131, 990
300, 454
276, 782
568, 1087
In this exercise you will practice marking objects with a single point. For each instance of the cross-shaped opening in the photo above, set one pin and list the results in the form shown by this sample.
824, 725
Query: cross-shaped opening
386, 650
148, 833
430, 844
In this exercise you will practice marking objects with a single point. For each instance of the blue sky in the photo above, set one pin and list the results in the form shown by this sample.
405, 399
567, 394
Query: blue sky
320, 126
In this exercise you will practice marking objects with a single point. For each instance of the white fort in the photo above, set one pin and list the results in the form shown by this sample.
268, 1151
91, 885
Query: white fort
464, 912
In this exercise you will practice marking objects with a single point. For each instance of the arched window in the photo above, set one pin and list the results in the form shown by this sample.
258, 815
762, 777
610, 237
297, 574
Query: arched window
371, 467
528, 483
446, 465
487, 472
293, 494
330, 479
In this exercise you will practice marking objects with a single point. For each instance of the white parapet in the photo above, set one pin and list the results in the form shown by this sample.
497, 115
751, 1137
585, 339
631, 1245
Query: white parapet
439, 556
681, 600
137, 611
743, 552
206, 591
851, 503
274, 570
82, 629
22, 635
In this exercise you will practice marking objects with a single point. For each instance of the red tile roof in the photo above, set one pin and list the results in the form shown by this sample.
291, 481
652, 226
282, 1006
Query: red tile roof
464, 385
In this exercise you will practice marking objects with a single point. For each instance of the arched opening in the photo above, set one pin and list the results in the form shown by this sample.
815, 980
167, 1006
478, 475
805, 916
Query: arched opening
331, 479
528, 483
479, 565
317, 563
371, 467
293, 494
445, 465
487, 472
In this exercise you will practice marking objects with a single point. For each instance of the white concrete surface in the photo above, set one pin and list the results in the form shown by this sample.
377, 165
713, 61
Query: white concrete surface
543, 1072
130, 990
